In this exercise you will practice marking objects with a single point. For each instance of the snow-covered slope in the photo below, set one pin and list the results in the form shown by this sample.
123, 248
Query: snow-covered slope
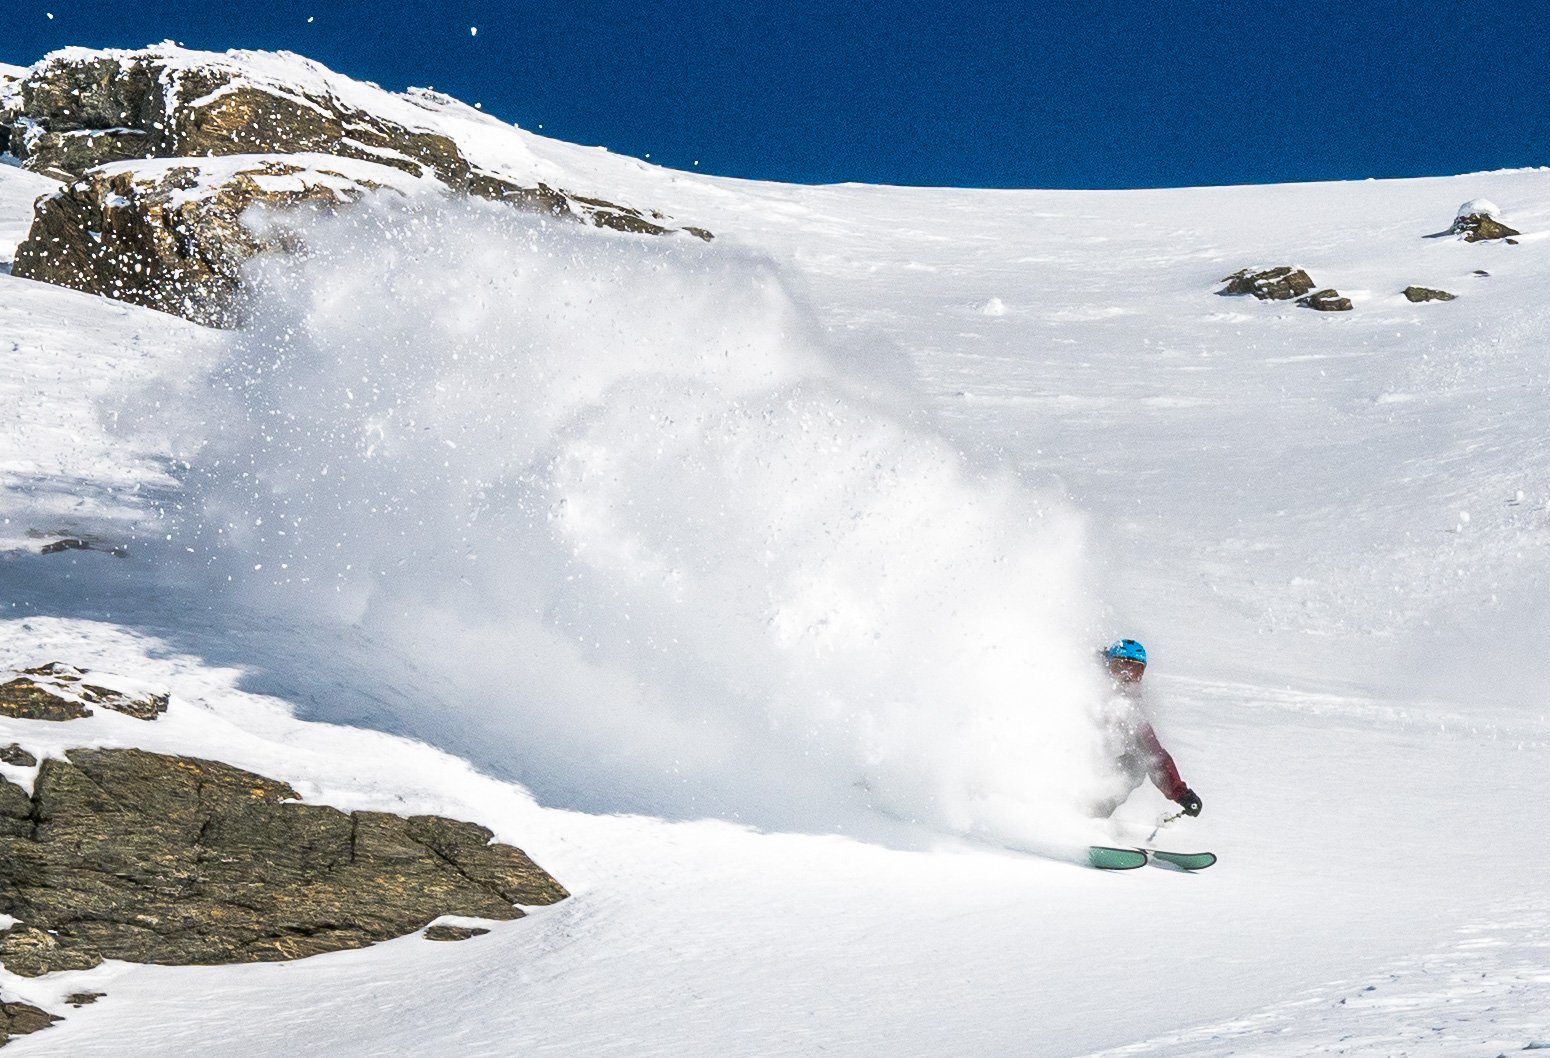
682, 539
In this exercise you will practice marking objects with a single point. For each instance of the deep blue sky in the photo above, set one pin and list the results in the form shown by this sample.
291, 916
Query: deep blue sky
971, 93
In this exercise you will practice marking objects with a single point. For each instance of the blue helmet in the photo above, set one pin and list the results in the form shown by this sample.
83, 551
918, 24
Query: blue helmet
1128, 649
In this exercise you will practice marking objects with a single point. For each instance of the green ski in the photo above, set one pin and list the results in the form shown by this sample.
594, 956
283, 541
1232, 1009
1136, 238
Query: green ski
1186, 861
1110, 859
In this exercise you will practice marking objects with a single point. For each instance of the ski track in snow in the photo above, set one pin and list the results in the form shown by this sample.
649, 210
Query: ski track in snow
1333, 531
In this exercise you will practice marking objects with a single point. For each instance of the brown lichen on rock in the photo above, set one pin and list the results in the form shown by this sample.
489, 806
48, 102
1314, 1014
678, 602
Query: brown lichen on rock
1419, 294
27, 699
33, 953
1326, 301
150, 858
1271, 284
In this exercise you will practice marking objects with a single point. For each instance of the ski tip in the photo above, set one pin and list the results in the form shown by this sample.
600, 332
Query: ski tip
1184, 861
1106, 858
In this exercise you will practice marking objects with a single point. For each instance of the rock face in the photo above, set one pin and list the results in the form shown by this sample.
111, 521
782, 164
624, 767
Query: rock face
170, 235
1273, 284
124, 854
81, 109
164, 149
1417, 294
1476, 222
59, 692
1326, 301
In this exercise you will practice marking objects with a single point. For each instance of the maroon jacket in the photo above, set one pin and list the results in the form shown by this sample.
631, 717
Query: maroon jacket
1159, 764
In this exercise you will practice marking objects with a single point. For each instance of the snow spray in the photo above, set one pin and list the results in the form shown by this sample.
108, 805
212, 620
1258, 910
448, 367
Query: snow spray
642, 530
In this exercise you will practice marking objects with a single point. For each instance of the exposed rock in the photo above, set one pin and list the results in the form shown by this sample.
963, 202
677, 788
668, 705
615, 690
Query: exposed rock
1481, 272
57, 691
83, 999
1477, 227
33, 953
1476, 222
81, 109
18, 757
1326, 301
1418, 294
76, 543
20, 1019
29, 700
170, 236
149, 858
1273, 284
453, 932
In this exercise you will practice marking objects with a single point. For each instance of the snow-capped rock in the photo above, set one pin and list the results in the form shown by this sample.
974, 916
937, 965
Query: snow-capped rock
1328, 300
1477, 207
80, 108
63, 692
1476, 221
169, 233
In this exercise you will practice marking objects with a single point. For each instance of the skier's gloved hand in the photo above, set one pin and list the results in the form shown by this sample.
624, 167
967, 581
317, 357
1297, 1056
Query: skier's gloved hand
1189, 800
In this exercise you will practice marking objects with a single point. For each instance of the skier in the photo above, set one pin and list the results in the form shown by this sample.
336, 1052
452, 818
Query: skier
1132, 742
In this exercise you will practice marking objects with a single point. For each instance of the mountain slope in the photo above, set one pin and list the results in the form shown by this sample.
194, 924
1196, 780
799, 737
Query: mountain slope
1272, 498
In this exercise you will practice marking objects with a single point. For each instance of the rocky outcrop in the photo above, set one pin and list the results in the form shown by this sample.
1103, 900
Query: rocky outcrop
25, 699
124, 854
17, 757
452, 933
60, 692
1476, 222
1419, 294
20, 1019
171, 235
1272, 284
1326, 301
80, 109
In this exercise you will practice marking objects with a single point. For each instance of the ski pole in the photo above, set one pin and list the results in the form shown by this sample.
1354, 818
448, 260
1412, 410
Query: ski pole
1162, 822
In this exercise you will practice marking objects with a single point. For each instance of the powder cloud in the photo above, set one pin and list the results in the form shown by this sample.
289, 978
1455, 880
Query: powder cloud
654, 544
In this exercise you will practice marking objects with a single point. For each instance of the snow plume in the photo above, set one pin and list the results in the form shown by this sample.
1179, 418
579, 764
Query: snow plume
653, 543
